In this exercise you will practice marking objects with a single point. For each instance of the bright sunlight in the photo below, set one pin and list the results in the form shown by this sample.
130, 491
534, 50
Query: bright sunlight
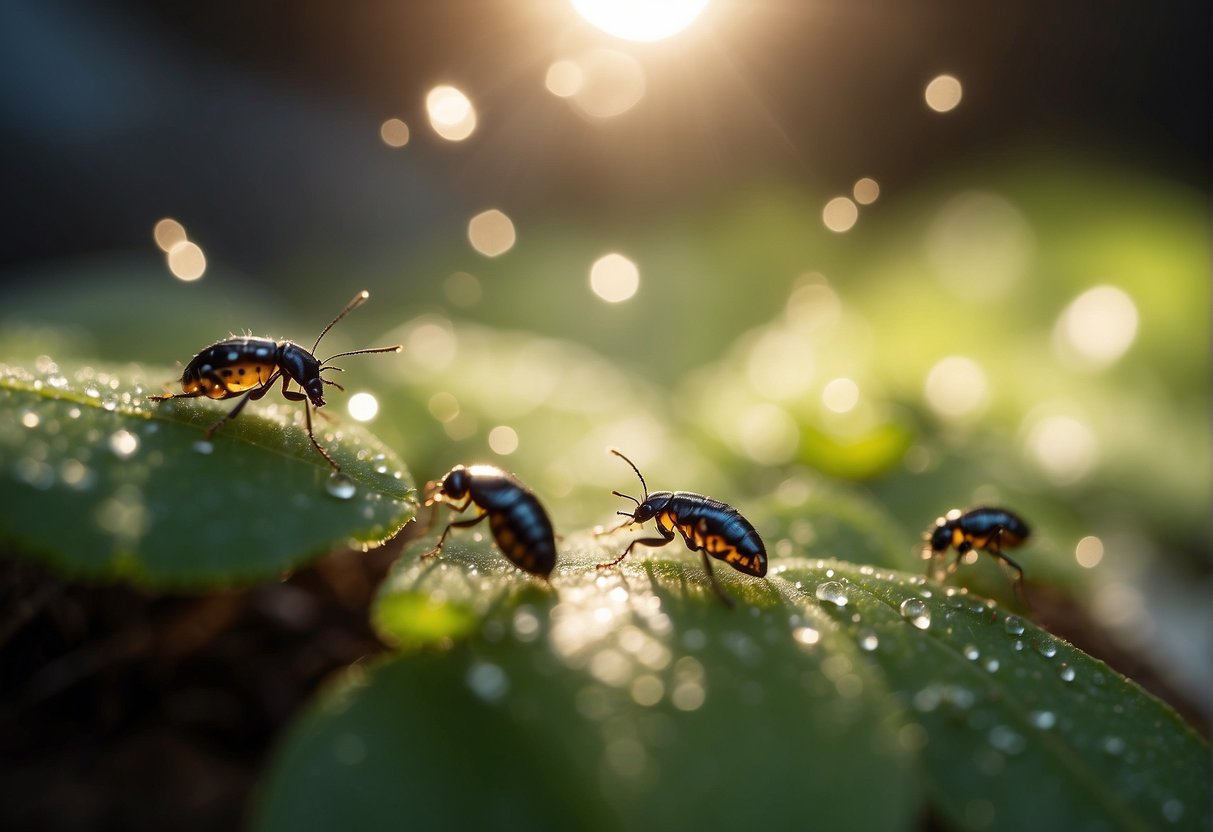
640, 20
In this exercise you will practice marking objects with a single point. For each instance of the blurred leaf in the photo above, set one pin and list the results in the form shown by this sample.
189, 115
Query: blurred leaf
632, 698
102, 483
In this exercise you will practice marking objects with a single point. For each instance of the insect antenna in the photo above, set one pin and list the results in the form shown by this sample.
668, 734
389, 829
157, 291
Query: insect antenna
643, 484
357, 301
626, 496
393, 348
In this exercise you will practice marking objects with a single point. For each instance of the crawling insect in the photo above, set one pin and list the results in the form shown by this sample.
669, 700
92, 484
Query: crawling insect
516, 518
985, 529
248, 366
708, 526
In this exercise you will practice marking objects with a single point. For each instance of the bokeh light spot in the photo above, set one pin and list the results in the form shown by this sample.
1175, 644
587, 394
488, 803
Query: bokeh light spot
840, 395
1089, 552
503, 440
612, 83
443, 406
943, 93
451, 113
1064, 448
168, 233
866, 191
363, 407
956, 387
614, 278
394, 132
980, 245
640, 20
769, 434
1098, 327
186, 261
491, 233
840, 214
564, 79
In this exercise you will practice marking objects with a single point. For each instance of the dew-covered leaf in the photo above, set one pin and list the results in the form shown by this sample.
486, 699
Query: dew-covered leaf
102, 483
613, 700
638, 692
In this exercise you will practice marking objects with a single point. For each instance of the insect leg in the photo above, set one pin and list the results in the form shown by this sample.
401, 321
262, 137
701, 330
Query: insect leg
168, 396
307, 412
720, 593
454, 524
666, 537
995, 549
255, 393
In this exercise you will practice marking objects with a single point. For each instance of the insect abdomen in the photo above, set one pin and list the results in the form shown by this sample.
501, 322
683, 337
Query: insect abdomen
718, 529
518, 521
981, 524
230, 367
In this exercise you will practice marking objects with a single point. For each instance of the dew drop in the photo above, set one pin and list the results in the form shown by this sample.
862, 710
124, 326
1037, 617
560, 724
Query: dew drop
868, 641
1046, 648
1044, 720
1013, 624
202, 446
1067, 673
832, 592
971, 652
915, 611
1113, 746
30, 419
341, 487
992, 665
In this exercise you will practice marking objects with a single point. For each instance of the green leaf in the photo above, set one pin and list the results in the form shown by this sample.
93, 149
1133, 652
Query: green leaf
102, 483
633, 698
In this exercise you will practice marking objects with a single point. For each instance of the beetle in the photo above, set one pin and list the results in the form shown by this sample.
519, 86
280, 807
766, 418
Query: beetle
708, 526
983, 528
517, 519
247, 366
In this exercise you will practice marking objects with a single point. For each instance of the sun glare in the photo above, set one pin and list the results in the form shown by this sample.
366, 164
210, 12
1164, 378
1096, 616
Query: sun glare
640, 20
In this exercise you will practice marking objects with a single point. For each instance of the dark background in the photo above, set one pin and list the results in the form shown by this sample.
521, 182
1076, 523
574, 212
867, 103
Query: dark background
256, 124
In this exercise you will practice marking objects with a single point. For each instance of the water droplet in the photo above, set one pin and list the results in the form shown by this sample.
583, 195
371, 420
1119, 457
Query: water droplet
1045, 647
1067, 673
1044, 720
1113, 745
915, 611
868, 641
1019, 645
832, 592
488, 681
971, 652
992, 665
30, 419
203, 447
123, 443
1006, 740
1013, 624
341, 487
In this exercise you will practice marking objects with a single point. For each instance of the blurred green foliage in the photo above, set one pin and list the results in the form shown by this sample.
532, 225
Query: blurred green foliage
787, 370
